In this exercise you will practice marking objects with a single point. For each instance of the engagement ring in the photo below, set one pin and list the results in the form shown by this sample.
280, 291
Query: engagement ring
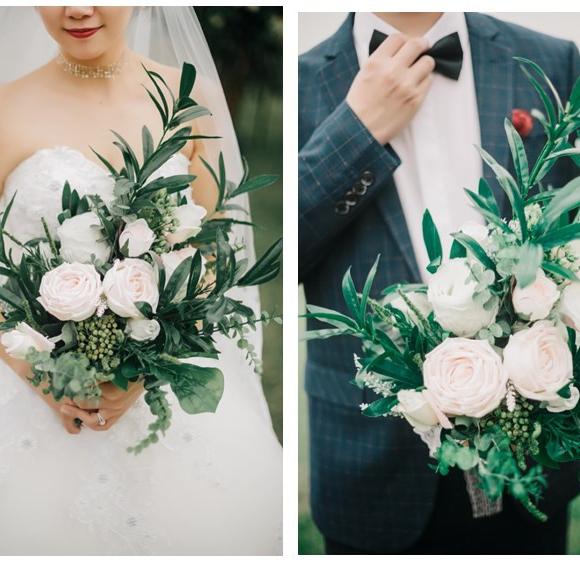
100, 419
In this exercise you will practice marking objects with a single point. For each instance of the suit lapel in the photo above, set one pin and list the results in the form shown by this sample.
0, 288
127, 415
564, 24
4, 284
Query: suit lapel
342, 65
493, 71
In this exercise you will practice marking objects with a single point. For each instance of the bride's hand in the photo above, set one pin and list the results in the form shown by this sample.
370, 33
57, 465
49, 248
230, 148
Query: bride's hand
112, 405
68, 421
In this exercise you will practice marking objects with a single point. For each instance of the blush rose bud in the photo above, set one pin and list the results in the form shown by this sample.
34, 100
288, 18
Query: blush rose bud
535, 301
22, 338
137, 237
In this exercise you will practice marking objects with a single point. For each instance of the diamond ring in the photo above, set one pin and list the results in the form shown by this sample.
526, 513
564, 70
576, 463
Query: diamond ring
100, 420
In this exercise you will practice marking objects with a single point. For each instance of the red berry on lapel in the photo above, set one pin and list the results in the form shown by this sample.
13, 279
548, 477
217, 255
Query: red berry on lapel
523, 122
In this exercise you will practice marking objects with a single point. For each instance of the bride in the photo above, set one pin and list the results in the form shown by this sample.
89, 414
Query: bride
213, 484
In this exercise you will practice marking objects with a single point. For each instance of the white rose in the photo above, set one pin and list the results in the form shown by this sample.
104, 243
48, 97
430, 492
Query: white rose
419, 301
535, 301
170, 262
80, 237
477, 231
465, 377
22, 338
538, 361
142, 329
417, 409
560, 404
570, 306
189, 218
129, 281
138, 236
71, 291
452, 297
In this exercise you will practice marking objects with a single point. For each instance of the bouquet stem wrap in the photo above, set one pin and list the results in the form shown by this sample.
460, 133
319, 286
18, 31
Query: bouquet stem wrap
481, 505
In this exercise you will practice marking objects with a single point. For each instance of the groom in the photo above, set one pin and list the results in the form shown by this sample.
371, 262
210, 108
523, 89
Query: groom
384, 132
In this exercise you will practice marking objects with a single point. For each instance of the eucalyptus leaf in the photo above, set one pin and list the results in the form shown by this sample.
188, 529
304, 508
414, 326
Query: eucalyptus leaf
380, 407
189, 115
566, 199
253, 184
560, 236
405, 375
148, 145
266, 268
559, 270
350, 295
325, 333
188, 74
177, 280
475, 248
198, 389
367, 288
519, 156
544, 97
330, 316
510, 187
540, 72
529, 260
432, 242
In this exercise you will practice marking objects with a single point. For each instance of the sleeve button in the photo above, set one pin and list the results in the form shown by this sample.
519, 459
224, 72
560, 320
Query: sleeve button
342, 208
367, 178
360, 188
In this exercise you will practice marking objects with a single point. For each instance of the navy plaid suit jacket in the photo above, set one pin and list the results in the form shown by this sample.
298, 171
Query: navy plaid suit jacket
370, 484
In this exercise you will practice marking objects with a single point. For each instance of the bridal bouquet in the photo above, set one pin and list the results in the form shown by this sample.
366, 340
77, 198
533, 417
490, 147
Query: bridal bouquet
483, 360
127, 287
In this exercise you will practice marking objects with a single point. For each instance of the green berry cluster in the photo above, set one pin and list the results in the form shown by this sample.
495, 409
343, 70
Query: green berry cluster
162, 219
516, 424
519, 428
98, 339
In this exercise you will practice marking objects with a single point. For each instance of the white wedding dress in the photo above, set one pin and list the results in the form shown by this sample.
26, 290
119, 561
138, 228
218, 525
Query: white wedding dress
212, 485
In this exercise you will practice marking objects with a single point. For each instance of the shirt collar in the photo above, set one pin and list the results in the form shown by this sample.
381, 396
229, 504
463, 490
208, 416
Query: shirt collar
366, 22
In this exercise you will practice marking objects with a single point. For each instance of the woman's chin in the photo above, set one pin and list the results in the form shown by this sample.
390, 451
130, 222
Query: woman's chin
84, 49
83, 55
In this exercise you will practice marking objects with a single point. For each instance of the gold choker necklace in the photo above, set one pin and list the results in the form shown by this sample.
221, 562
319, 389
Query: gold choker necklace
82, 71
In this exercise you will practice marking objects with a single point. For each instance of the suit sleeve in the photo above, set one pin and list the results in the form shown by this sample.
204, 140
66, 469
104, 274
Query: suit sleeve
341, 168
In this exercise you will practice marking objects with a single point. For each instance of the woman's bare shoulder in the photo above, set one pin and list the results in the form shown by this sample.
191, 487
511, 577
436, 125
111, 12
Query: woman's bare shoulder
21, 90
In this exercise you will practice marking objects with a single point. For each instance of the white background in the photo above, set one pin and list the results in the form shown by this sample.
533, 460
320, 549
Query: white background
291, 566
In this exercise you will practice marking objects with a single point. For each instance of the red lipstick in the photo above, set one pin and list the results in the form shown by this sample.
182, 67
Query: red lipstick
82, 32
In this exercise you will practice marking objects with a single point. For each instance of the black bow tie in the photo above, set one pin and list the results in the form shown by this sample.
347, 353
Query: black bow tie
447, 53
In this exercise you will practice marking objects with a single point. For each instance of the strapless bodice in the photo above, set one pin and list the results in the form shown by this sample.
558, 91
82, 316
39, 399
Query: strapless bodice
40, 178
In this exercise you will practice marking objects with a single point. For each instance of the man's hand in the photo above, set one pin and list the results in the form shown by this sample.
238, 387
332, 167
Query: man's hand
391, 86
112, 405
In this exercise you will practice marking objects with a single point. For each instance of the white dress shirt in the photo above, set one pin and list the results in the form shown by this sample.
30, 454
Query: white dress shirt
438, 157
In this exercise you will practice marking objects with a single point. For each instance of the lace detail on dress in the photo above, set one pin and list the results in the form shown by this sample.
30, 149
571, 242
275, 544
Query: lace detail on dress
104, 505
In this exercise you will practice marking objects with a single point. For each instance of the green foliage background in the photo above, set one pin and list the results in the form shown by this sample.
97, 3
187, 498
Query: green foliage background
252, 37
